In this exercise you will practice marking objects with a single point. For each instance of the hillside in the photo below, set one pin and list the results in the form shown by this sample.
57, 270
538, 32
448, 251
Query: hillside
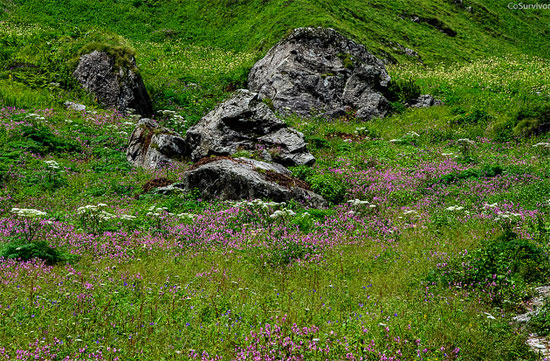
214, 43
432, 236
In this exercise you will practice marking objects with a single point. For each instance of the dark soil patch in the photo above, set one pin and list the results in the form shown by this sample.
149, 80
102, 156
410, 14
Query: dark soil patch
156, 183
346, 136
285, 180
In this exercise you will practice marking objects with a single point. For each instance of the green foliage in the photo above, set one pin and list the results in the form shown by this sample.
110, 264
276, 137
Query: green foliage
403, 90
502, 266
473, 173
533, 120
41, 140
471, 118
302, 172
114, 46
316, 142
347, 60
331, 187
540, 322
38, 249
269, 103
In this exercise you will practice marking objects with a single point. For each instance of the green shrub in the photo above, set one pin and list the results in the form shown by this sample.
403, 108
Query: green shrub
484, 172
533, 120
332, 188
540, 323
472, 118
115, 46
41, 140
302, 172
316, 143
27, 251
403, 90
501, 267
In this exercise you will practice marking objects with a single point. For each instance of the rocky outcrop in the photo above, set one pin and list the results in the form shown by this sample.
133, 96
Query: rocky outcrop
243, 178
424, 101
245, 122
319, 71
114, 85
152, 146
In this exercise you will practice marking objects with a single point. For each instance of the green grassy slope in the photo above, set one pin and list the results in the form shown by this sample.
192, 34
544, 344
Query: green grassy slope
482, 27
192, 54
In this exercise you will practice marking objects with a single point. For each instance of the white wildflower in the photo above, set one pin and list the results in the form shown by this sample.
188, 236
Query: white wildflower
28, 212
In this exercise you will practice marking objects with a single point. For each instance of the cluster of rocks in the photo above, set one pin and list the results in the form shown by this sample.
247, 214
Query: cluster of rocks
242, 123
314, 71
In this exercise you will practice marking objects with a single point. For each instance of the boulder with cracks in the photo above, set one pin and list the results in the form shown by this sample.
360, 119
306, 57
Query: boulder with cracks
114, 85
245, 122
152, 146
243, 178
318, 71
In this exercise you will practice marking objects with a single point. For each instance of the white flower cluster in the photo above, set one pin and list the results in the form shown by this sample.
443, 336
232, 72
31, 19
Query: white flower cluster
96, 211
542, 145
132, 115
186, 216
257, 203
506, 215
454, 208
35, 116
172, 115
283, 213
361, 131
52, 164
359, 203
272, 209
408, 136
155, 211
28, 212
465, 141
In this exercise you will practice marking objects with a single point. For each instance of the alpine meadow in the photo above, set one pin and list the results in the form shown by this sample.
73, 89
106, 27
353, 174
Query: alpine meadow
274, 180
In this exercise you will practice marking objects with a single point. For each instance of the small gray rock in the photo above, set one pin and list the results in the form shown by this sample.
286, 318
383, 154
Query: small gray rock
151, 146
424, 101
75, 106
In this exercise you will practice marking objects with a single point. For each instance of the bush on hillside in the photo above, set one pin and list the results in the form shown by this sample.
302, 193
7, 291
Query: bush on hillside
403, 90
501, 268
533, 120
25, 251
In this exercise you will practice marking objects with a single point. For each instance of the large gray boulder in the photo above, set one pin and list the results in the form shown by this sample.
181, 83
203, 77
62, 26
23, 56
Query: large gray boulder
245, 122
236, 179
152, 146
114, 85
317, 71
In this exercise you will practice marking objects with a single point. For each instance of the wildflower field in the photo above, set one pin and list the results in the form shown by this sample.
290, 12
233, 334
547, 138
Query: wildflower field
437, 232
